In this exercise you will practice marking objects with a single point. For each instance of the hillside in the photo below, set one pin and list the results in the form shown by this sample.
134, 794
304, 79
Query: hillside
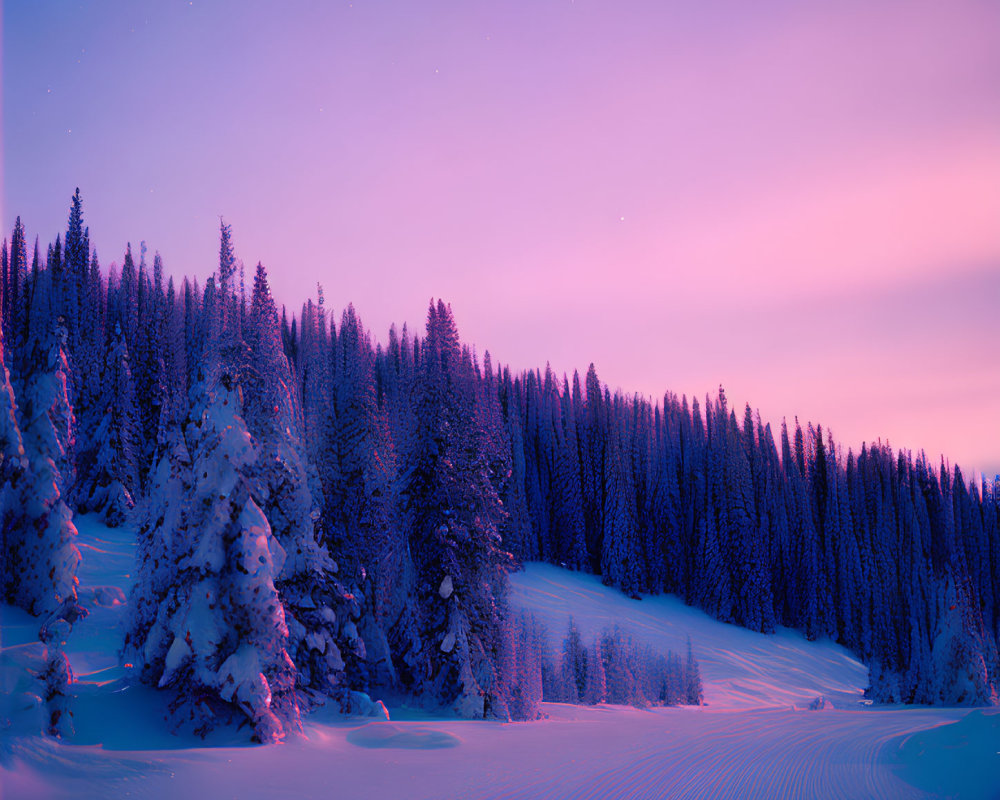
740, 668
390, 468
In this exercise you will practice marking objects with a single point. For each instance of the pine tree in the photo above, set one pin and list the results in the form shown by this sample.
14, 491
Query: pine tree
320, 612
962, 655
517, 530
77, 259
574, 664
12, 471
112, 484
222, 616
89, 363
593, 439
39, 536
620, 679
537, 474
428, 469
596, 690
693, 692
521, 666
359, 489
568, 516
316, 391
455, 513
620, 556
752, 591
219, 634
162, 542
673, 691
57, 675
15, 296
803, 534
127, 303
174, 354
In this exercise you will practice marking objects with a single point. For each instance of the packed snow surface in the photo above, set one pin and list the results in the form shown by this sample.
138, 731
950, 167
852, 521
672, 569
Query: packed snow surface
755, 738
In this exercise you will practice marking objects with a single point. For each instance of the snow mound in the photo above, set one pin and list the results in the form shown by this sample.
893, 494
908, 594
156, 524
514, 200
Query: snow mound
103, 596
361, 705
958, 760
21, 707
376, 735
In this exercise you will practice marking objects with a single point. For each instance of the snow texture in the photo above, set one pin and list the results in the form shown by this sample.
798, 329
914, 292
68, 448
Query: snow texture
769, 750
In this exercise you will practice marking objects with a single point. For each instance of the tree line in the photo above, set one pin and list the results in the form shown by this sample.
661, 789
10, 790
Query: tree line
321, 515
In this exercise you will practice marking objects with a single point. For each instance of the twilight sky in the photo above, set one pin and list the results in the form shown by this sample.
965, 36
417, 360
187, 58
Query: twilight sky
800, 201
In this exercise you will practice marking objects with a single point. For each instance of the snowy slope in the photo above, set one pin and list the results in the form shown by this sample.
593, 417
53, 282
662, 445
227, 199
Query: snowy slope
748, 742
740, 668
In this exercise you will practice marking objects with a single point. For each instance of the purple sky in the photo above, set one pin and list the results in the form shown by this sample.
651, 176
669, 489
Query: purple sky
800, 203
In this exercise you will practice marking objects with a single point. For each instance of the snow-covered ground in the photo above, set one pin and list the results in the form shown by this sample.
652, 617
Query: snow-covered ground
753, 739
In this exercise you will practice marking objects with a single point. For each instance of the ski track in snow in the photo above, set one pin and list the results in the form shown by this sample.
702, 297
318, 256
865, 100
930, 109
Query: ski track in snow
753, 739
598, 753
750, 754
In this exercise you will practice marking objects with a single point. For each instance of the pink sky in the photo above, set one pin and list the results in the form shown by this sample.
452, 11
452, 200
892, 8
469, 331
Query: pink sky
799, 202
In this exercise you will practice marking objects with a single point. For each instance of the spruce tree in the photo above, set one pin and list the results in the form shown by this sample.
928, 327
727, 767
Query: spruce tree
694, 694
516, 530
574, 664
219, 635
15, 297
77, 261
454, 514
161, 547
39, 535
13, 466
618, 668
568, 517
963, 655
111, 484
520, 666
595, 691
320, 611
620, 557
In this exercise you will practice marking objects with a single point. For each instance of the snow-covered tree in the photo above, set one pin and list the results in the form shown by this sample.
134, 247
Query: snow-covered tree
320, 612
12, 471
219, 636
454, 515
694, 693
56, 676
520, 666
574, 664
39, 536
617, 652
162, 539
961, 652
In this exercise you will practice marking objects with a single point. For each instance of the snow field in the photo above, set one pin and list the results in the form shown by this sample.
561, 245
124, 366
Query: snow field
754, 739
